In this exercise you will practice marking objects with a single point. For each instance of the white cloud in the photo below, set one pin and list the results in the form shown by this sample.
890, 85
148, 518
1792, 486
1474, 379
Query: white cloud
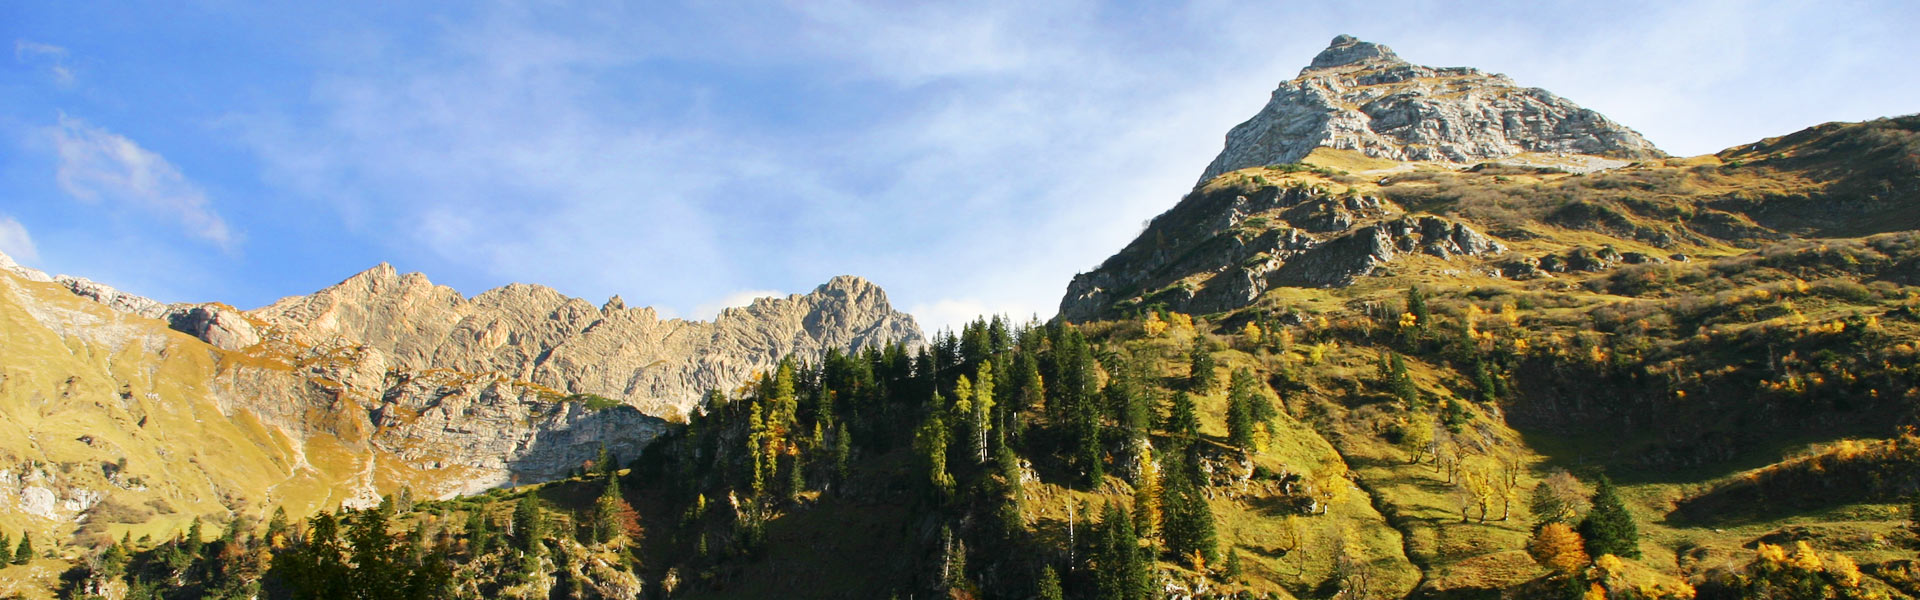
710, 310
54, 57
99, 166
15, 242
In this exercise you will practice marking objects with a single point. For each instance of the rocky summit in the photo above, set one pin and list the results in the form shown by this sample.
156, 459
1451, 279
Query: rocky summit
1358, 95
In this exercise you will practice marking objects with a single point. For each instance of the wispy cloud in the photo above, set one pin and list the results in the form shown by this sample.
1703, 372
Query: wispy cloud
99, 166
968, 157
53, 57
15, 242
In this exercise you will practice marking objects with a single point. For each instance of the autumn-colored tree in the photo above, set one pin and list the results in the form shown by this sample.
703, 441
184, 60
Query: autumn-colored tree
1416, 435
1559, 548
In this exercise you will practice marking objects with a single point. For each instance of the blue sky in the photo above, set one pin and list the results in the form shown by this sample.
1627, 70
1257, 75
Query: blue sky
968, 157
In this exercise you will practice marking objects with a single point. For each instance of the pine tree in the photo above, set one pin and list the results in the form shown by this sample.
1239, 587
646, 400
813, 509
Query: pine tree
378, 571
1049, 586
1609, 528
1013, 495
1200, 373
606, 513
1233, 567
529, 526
479, 538
1400, 382
6, 556
24, 552
1417, 306
1187, 519
1182, 420
318, 568
1118, 568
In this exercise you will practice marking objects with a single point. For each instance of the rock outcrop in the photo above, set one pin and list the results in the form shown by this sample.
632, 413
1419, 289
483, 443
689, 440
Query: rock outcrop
1361, 96
1222, 247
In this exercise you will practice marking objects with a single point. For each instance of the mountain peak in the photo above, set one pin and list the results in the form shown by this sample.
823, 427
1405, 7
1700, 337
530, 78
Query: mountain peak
1360, 96
1347, 50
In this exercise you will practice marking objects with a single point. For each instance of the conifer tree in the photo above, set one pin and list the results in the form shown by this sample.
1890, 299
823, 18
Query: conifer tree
1187, 519
982, 410
277, 526
1200, 360
1417, 306
6, 543
1609, 528
24, 552
930, 442
529, 526
606, 513
1182, 420
1049, 586
479, 539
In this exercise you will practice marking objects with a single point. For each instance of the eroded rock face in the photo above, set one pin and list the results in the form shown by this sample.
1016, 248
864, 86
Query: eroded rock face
1361, 96
397, 381
1220, 249
533, 333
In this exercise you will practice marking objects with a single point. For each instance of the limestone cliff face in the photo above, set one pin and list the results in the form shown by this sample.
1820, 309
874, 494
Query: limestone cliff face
120, 409
1361, 96
535, 334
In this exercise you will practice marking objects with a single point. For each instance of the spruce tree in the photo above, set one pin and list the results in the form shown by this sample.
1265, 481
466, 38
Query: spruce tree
1049, 586
606, 513
1417, 305
1200, 373
24, 552
6, 556
1187, 519
528, 525
1609, 528
1182, 420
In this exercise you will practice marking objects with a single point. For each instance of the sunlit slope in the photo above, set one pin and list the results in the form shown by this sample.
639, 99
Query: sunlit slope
110, 426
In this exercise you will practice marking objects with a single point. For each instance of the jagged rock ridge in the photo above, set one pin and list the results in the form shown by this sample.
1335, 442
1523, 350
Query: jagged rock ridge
381, 381
533, 333
1361, 96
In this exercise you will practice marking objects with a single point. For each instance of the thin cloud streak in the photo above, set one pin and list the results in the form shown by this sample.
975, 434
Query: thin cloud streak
99, 166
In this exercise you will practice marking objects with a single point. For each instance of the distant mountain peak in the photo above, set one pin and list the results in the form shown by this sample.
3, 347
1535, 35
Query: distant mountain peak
1361, 96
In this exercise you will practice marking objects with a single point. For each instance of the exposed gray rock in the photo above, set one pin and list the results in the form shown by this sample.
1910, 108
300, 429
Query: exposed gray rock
533, 333
116, 299
1220, 250
217, 324
1361, 96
